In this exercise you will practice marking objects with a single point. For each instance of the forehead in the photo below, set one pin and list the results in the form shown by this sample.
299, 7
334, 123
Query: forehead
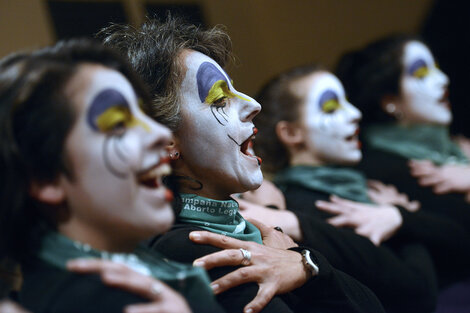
312, 86
194, 59
91, 79
415, 50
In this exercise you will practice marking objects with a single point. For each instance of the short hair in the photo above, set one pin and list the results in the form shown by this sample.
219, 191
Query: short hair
153, 50
279, 104
373, 72
35, 120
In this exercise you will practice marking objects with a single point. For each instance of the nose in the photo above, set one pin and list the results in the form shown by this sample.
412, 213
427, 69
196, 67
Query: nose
249, 108
157, 135
443, 78
354, 114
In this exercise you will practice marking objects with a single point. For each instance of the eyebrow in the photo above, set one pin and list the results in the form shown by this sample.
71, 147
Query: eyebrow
416, 65
103, 101
207, 75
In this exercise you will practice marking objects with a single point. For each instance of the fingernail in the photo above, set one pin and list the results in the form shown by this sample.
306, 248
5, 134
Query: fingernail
194, 236
249, 310
215, 287
198, 263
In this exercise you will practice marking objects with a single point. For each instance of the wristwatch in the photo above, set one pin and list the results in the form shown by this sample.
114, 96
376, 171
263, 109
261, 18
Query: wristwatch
308, 260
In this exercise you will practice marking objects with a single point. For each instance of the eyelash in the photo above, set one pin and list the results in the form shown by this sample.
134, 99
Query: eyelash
221, 102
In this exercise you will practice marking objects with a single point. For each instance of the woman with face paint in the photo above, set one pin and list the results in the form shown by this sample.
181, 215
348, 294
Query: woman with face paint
81, 169
213, 130
308, 139
396, 83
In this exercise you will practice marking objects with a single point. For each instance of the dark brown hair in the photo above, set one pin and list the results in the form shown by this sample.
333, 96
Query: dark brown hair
153, 50
371, 73
279, 103
35, 120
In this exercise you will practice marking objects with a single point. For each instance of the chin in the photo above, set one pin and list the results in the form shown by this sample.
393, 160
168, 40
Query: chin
349, 159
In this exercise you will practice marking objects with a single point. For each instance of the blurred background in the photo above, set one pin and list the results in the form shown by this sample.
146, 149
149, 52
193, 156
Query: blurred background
268, 36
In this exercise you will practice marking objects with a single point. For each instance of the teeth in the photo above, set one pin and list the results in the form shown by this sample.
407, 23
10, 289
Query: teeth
158, 171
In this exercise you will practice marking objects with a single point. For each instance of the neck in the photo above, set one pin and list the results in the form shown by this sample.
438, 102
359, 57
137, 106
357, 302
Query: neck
193, 186
303, 157
98, 238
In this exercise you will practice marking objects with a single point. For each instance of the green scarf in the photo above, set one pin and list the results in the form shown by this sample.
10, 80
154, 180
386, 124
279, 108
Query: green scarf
420, 142
192, 282
343, 182
217, 216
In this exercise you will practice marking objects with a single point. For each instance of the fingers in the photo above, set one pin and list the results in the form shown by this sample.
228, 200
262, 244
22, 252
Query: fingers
145, 308
231, 257
413, 206
93, 266
430, 180
342, 221
375, 184
442, 188
133, 282
264, 295
421, 168
220, 241
348, 203
119, 276
332, 207
264, 229
238, 277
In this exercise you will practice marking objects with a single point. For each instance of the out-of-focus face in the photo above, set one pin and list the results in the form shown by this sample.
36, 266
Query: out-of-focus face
330, 121
216, 130
117, 155
423, 87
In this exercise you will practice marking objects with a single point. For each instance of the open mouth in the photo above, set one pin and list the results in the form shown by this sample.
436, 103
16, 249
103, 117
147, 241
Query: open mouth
444, 100
247, 146
354, 136
152, 176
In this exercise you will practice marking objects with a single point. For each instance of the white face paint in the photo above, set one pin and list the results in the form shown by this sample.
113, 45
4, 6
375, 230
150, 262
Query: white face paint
331, 122
423, 87
117, 155
216, 130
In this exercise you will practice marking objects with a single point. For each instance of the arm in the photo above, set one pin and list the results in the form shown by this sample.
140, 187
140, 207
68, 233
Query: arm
280, 271
162, 298
177, 246
274, 218
442, 179
376, 267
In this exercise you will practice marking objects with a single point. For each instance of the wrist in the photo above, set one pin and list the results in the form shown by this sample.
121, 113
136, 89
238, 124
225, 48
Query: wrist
308, 260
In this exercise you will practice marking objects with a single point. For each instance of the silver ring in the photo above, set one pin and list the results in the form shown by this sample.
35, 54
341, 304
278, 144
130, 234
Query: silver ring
156, 289
246, 256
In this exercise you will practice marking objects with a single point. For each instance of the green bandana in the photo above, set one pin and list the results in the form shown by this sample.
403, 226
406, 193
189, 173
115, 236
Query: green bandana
420, 142
192, 282
220, 217
343, 182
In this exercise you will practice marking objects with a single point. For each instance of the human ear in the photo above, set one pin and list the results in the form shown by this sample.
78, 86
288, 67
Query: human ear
49, 193
289, 134
173, 150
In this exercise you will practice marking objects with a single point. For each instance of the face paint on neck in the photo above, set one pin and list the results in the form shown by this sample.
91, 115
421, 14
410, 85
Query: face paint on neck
423, 87
331, 122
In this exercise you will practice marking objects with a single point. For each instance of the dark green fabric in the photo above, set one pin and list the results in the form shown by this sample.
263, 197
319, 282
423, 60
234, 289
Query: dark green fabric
343, 182
192, 282
421, 142
217, 216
